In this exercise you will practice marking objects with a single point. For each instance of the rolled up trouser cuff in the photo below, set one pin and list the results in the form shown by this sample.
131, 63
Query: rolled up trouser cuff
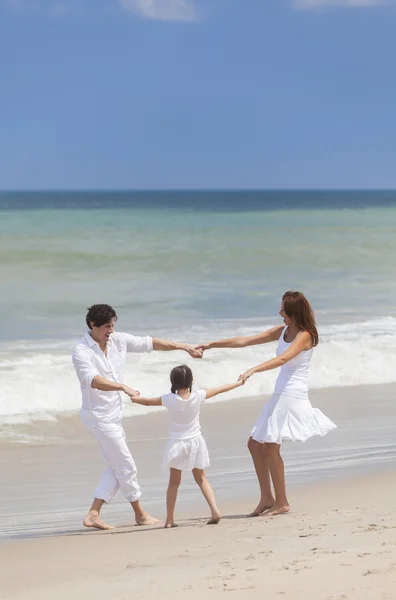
133, 498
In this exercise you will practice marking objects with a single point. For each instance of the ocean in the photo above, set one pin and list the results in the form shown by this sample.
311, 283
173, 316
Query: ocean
189, 266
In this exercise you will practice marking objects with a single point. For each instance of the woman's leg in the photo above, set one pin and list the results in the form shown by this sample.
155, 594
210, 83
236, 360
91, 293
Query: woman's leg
206, 489
171, 495
261, 465
277, 470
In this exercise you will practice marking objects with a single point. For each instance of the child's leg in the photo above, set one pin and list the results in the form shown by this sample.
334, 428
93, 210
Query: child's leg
171, 495
206, 489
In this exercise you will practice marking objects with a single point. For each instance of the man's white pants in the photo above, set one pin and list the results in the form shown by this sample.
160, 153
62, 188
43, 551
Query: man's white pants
121, 472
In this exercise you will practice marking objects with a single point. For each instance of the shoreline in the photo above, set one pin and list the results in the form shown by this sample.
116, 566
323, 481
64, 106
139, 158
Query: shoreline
337, 543
67, 427
59, 478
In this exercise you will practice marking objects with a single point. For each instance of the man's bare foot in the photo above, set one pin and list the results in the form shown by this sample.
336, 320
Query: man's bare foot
93, 520
146, 519
215, 519
278, 509
262, 506
169, 525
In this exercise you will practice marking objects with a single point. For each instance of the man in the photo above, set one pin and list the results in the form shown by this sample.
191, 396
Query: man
99, 359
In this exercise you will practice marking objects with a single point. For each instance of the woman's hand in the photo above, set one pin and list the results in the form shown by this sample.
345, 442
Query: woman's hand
202, 347
194, 351
245, 376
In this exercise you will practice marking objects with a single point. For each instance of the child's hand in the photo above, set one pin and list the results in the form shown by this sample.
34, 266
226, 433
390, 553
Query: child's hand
245, 376
130, 392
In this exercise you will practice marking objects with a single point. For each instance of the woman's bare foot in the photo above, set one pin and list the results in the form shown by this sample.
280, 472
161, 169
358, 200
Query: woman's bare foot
145, 519
262, 506
216, 516
278, 509
170, 524
93, 520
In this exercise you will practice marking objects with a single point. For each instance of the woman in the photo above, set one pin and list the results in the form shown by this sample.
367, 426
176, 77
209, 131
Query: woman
288, 414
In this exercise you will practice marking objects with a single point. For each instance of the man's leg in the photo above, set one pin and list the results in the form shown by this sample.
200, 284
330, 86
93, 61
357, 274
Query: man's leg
93, 517
121, 474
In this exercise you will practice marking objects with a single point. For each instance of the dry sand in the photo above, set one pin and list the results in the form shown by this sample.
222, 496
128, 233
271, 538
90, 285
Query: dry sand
338, 543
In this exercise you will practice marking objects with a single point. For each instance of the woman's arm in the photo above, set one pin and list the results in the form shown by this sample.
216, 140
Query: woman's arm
147, 401
271, 335
302, 342
223, 388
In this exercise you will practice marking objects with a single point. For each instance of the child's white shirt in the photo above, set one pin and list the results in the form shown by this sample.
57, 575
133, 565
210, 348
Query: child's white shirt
184, 414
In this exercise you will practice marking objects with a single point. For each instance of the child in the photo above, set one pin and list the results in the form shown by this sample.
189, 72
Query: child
186, 448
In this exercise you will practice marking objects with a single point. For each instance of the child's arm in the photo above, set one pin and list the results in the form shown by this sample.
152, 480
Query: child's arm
220, 390
147, 401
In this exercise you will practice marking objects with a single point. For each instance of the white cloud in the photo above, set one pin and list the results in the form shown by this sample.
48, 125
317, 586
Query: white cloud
314, 4
163, 10
55, 8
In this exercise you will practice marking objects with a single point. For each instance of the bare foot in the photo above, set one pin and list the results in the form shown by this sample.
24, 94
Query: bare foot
215, 519
278, 509
168, 525
262, 506
93, 520
146, 519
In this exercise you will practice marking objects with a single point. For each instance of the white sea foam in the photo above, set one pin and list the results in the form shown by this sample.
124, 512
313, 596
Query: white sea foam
38, 381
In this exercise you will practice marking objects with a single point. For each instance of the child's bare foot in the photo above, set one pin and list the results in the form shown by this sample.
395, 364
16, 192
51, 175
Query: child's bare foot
170, 524
146, 519
93, 520
216, 516
262, 506
278, 509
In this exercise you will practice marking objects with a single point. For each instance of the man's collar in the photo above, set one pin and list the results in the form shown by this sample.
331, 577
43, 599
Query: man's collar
89, 339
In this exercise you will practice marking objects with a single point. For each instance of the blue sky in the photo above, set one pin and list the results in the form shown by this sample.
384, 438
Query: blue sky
137, 94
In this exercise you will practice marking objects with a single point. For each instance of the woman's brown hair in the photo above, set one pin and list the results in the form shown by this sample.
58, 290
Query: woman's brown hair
181, 378
298, 309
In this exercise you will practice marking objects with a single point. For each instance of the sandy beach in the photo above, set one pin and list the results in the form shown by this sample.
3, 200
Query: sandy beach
337, 543
59, 473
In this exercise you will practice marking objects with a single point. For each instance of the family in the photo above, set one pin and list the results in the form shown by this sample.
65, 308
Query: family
99, 359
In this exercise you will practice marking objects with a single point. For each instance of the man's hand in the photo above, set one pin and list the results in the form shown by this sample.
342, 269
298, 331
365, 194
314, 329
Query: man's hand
202, 347
130, 392
194, 352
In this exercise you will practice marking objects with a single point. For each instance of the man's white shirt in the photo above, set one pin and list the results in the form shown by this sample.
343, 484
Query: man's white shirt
89, 361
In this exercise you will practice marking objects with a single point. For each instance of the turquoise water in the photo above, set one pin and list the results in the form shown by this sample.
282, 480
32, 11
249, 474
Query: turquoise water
178, 265
192, 267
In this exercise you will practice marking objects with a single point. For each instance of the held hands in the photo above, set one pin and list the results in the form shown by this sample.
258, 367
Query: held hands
194, 351
130, 392
202, 347
245, 376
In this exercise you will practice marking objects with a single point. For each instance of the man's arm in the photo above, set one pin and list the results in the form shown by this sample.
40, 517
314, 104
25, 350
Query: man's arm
88, 375
166, 346
105, 385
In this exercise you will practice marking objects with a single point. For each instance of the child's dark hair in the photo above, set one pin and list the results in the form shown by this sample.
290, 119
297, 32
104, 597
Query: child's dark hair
181, 378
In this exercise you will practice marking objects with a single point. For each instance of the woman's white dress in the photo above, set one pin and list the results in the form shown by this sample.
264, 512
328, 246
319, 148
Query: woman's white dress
289, 414
186, 448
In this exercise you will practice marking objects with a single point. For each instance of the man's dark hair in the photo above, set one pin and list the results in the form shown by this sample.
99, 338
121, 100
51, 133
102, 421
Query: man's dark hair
181, 378
100, 314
